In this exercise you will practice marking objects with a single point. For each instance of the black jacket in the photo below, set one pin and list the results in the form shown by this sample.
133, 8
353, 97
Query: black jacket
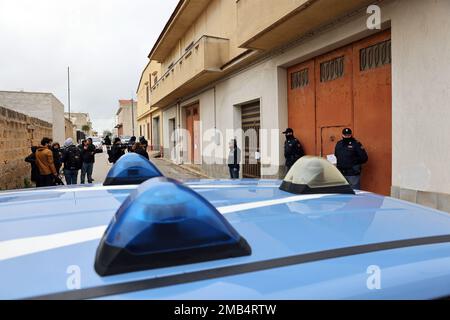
350, 155
116, 152
57, 159
71, 157
293, 151
31, 159
144, 143
143, 153
88, 155
107, 141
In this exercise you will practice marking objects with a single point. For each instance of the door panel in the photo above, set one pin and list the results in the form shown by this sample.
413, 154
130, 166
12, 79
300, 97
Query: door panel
251, 120
302, 104
193, 127
190, 131
196, 135
334, 101
373, 110
329, 138
351, 88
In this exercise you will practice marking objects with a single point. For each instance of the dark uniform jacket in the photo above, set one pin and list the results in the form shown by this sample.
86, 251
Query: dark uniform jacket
350, 155
293, 151
117, 151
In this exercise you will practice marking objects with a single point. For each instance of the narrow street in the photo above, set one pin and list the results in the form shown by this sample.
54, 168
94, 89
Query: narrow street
102, 167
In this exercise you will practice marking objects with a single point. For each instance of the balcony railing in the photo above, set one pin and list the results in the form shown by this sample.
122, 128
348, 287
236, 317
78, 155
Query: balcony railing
193, 69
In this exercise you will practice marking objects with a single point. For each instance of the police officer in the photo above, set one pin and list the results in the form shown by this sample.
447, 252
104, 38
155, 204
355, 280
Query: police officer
351, 155
293, 149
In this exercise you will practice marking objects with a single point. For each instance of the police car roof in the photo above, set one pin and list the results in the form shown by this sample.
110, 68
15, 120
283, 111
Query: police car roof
303, 246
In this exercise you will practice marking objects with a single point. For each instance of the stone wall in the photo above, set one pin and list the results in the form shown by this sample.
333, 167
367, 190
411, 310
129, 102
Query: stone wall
18, 132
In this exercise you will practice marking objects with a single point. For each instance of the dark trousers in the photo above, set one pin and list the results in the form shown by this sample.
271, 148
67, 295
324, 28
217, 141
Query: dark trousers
234, 172
354, 181
46, 181
71, 176
87, 169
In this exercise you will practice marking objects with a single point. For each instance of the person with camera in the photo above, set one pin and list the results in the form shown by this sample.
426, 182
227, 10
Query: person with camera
71, 158
88, 152
117, 150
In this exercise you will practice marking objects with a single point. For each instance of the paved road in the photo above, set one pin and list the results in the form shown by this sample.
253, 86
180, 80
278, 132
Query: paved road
102, 167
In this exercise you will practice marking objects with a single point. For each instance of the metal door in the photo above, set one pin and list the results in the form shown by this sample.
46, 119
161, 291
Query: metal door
302, 104
334, 96
251, 125
373, 109
329, 138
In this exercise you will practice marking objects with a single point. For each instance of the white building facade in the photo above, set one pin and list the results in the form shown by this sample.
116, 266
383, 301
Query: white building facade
44, 106
410, 82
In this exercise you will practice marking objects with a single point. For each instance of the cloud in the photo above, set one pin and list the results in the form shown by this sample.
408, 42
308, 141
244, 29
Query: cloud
105, 43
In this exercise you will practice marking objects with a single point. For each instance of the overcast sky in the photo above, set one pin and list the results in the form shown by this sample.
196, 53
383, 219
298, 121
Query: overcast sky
105, 43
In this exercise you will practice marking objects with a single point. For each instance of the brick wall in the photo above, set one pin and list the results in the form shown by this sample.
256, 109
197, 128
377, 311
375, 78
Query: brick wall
18, 132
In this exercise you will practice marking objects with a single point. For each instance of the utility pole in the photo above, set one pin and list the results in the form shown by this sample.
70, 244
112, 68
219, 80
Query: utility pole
68, 90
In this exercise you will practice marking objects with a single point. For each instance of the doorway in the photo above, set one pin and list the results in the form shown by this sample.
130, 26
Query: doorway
348, 87
251, 125
192, 116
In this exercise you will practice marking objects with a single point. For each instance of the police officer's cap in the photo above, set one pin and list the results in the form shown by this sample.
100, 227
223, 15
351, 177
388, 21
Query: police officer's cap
288, 130
347, 132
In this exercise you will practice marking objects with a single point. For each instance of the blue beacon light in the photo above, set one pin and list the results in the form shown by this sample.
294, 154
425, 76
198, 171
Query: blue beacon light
164, 223
131, 169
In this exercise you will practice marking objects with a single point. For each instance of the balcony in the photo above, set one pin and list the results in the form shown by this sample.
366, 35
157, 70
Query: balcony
265, 27
198, 66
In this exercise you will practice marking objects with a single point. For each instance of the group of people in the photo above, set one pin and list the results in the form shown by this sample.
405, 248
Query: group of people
349, 152
117, 150
48, 159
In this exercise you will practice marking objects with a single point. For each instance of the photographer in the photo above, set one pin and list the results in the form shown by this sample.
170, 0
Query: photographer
88, 152
117, 151
71, 157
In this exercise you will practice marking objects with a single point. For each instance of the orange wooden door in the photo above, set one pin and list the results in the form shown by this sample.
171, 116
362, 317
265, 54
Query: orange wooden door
334, 96
196, 135
193, 129
330, 136
302, 104
373, 109
190, 133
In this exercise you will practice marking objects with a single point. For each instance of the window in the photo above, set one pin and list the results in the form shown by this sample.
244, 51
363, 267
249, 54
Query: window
331, 70
299, 79
376, 56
